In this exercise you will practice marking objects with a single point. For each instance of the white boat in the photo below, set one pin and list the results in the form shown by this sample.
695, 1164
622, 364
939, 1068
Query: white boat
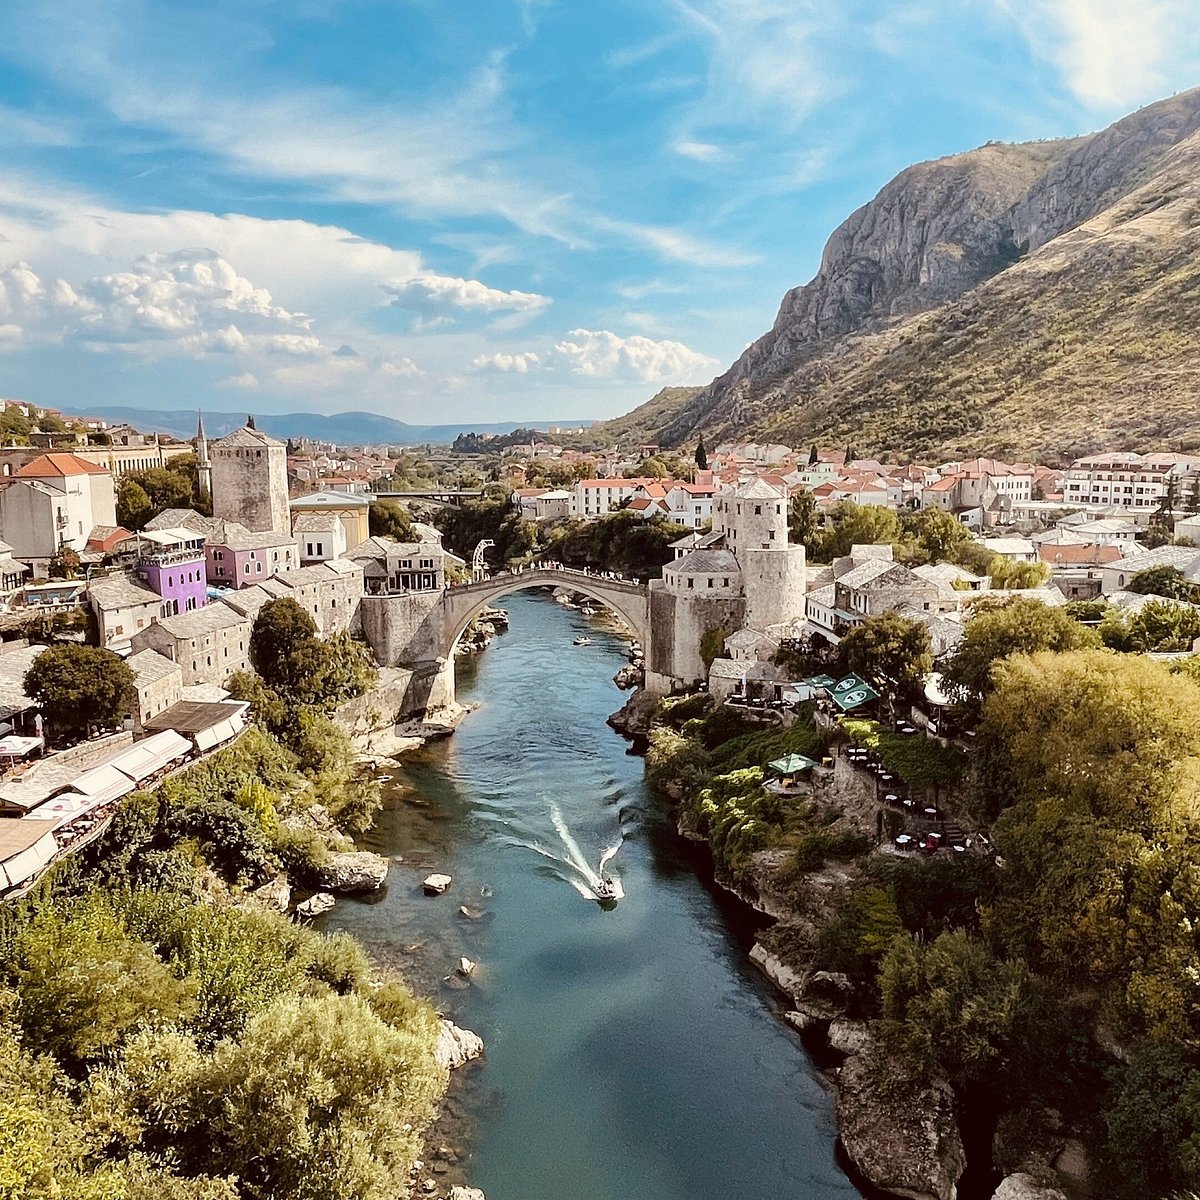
583, 641
606, 890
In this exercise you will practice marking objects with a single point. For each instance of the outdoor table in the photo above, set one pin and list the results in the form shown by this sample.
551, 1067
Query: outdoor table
958, 849
904, 841
931, 812
885, 777
909, 802
891, 797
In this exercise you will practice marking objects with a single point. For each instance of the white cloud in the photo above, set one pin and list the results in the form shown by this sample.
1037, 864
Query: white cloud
678, 246
247, 381
519, 363
601, 354
443, 296
705, 152
1112, 54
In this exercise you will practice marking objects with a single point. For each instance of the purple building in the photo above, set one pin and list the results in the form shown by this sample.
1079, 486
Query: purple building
171, 561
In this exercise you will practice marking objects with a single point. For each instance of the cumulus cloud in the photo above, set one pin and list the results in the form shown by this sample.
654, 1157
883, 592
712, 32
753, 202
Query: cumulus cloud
519, 363
602, 354
441, 298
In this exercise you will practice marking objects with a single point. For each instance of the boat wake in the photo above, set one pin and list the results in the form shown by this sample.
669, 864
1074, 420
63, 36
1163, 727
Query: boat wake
592, 883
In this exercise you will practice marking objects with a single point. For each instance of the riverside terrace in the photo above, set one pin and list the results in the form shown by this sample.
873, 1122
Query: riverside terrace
68, 798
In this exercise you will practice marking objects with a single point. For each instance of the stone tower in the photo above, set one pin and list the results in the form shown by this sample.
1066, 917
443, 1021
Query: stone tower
755, 522
203, 464
249, 481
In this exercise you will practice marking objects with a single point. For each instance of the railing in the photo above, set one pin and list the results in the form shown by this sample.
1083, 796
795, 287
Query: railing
553, 569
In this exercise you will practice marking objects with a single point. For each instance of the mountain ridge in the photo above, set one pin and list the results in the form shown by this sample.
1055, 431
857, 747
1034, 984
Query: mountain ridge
1033, 299
352, 427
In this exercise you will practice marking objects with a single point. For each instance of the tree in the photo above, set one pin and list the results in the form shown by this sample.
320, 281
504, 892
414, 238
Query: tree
951, 1004
939, 535
390, 519
65, 564
1163, 580
1192, 501
701, 455
79, 688
891, 651
814, 455
134, 508
1162, 626
804, 522
994, 632
279, 629
858, 524
653, 468
1007, 573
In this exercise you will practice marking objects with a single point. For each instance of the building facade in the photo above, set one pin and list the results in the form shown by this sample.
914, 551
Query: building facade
249, 481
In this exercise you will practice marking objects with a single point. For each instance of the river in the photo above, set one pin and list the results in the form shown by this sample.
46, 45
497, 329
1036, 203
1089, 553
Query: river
632, 1054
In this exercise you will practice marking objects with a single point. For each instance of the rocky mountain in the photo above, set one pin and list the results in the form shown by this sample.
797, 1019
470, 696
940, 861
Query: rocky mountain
1036, 299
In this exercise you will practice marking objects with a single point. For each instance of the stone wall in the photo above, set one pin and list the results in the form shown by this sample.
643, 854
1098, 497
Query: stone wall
403, 629
400, 694
677, 625
774, 581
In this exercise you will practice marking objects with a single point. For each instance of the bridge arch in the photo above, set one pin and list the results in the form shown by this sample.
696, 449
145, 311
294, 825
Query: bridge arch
630, 601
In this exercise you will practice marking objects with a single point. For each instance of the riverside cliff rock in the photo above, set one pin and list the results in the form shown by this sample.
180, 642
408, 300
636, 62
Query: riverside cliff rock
902, 1136
1021, 299
352, 871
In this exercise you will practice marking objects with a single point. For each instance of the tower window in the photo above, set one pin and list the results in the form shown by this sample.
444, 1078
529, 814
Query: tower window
758, 510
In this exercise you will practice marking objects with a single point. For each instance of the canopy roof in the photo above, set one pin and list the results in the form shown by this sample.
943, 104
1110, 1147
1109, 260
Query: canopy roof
852, 692
792, 764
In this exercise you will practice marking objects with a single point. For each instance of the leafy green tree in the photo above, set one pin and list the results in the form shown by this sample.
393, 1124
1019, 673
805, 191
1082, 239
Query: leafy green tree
891, 651
937, 534
65, 564
654, 468
1021, 625
134, 507
951, 1004
1158, 627
804, 522
84, 984
1007, 573
320, 1099
1153, 1124
858, 524
80, 688
390, 519
1164, 580
280, 629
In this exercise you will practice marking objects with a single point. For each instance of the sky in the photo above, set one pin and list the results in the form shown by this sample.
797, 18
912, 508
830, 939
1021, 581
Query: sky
484, 210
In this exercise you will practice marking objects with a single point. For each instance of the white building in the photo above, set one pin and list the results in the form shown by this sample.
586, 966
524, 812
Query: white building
1123, 480
54, 502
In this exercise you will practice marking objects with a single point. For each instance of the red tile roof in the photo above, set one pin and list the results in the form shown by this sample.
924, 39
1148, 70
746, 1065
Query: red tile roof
59, 465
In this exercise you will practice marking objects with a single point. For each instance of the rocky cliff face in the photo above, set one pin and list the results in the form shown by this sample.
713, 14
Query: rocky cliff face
927, 282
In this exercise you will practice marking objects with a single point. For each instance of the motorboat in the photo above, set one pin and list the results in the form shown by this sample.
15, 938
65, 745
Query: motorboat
583, 641
606, 891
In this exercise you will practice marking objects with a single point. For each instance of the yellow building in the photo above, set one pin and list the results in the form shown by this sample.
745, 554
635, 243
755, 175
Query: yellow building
351, 511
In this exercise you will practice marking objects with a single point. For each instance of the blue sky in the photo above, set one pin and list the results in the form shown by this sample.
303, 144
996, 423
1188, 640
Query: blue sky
474, 210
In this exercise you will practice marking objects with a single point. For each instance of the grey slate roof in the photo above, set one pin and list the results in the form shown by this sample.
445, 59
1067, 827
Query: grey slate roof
119, 591
246, 437
864, 573
706, 562
150, 666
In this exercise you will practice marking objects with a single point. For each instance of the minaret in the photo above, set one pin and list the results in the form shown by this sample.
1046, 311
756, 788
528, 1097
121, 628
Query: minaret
203, 466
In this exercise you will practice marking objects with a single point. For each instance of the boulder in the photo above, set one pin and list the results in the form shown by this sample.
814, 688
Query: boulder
1025, 1187
899, 1133
456, 1046
777, 971
276, 895
435, 885
462, 1193
466, 966
353, 871
314, 906
848, 1037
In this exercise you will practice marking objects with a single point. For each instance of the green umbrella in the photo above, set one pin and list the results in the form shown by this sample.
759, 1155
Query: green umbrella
792, 764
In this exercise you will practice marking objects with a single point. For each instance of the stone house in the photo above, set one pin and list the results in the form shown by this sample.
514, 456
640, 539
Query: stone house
352, 511
321, 536
209, 643
249, 480
1116, 576
877, 587
158, 684
389, 566
55, 501
123, 606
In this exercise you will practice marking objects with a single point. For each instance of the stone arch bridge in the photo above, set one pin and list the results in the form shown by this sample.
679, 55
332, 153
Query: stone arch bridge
629, 600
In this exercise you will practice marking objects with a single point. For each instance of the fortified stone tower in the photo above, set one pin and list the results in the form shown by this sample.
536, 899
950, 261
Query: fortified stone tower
773, 571
249, 480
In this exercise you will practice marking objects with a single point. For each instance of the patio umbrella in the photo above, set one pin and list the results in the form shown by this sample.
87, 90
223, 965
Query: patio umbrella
792, 764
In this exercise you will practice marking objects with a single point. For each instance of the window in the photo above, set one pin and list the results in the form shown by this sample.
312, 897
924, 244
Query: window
119, 629
758, 510
710, 583
724, 582
691, 583
245, 568
770, 535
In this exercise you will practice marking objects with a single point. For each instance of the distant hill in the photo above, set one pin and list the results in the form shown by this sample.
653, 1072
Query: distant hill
348, 428
1039, 299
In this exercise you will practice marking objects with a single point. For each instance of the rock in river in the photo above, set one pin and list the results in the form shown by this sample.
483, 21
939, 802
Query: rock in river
456, 1046
353, 871
314, 906
1025, 1187
275, 895
435, 885
462, 1193
900, 1134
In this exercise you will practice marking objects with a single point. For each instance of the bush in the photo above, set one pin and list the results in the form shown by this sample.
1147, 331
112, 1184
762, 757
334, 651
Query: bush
857, 939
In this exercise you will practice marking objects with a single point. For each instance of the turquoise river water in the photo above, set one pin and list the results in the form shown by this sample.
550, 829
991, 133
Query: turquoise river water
632, 1054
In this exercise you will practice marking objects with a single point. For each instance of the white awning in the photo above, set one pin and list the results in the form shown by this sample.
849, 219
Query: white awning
146, 757
24, 864
103, 783
222, 731
934, 690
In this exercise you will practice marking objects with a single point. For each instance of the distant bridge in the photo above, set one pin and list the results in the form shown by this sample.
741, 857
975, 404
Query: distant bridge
445, 496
